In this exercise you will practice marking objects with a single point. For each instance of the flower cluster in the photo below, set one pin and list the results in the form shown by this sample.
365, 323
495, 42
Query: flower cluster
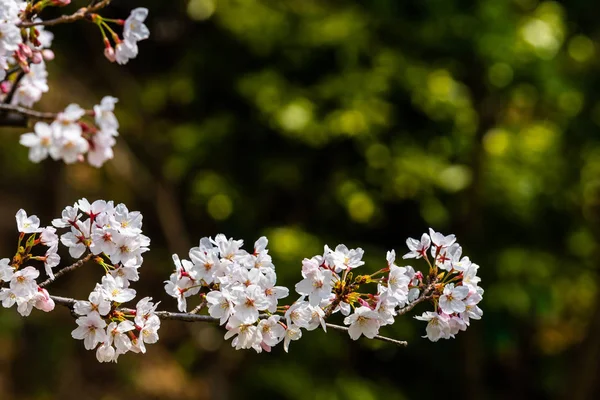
113, 331
23, 289
24, 50
134, 30
70, 137
455, 281
237, 287
113, 234
329, 286
112, 237
109, 231
234, 287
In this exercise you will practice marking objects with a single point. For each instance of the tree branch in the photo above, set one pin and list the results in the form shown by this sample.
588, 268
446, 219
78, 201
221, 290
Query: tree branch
80, 14
425, 295
27, 112
14, 87
189, 317
378, 337
17, 116
65, 270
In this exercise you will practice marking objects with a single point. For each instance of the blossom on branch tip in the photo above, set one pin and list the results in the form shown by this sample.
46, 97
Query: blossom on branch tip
343, 258
363, 321
27, 224
417, 248
134, 28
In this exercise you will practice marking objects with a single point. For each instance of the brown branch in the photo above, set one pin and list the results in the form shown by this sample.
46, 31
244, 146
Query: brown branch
425, 295
67, 269
80, 14
189, 317
378, 337
17, 116
200, 306
412, 305
13, 120
27, 112
13, 89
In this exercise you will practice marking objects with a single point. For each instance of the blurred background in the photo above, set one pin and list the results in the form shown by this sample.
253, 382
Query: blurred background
325, 122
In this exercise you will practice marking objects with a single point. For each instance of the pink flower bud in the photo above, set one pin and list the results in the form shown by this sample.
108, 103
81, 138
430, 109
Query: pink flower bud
26, 50
109, 53
37, 57
5, 87
48, 54
43, 301
364, 303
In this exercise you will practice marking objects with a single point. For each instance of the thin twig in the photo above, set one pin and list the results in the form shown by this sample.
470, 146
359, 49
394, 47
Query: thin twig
378, 337
425, 295
13, 89
27, 112
11, 71
414, 303
67, 269
78, 15
200, 306
17, 116
189, 317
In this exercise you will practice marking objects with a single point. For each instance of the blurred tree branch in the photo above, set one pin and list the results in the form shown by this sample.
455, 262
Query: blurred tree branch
80, 14
17, 116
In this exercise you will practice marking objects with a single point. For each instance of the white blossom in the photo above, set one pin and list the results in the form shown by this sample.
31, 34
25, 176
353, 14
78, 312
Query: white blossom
418, 248
27, 224
451, 301
91, 330
6, 270
437, 326
363, 321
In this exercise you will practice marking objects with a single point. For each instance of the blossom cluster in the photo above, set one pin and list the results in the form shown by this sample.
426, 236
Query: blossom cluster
27, 50
134, 31
112, 237
24, 51
23, 289
70, 137
238, 288
235, 287
329, 286
103, 327
457, 290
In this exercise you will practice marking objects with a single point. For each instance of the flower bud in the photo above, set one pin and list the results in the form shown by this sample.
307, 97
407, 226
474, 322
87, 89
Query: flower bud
61, 3
48, 54
5, 86
37, 57
25, 50
109, 53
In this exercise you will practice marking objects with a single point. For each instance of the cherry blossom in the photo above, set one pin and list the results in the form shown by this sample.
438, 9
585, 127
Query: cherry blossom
452, 299
363, 321
27, 224
229, 285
